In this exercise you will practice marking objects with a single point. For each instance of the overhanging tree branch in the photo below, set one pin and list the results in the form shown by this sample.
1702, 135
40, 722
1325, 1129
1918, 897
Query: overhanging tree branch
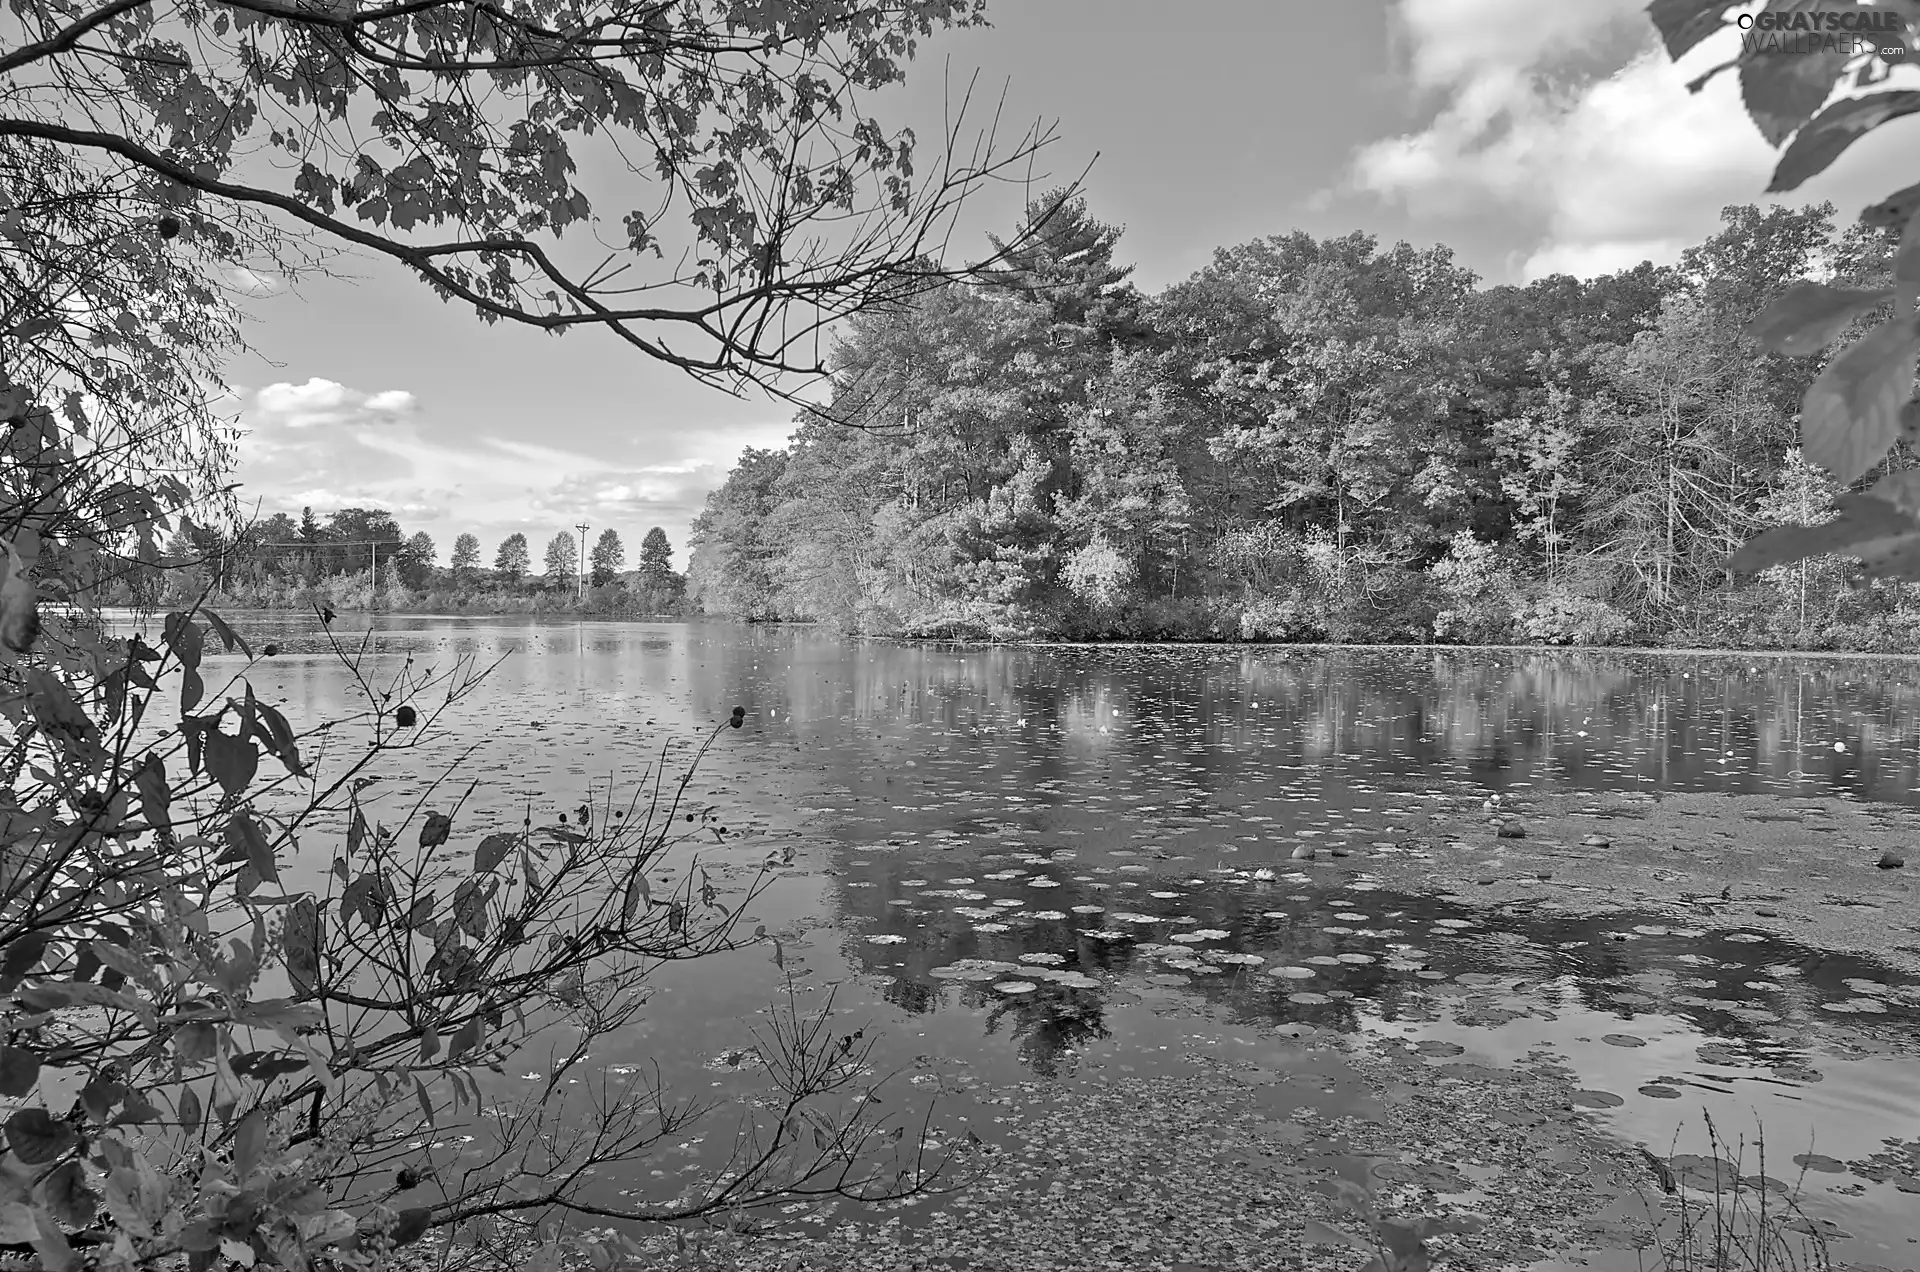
751, 118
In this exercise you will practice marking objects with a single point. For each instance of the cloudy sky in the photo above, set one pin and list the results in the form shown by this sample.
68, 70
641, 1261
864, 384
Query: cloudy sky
1532, 138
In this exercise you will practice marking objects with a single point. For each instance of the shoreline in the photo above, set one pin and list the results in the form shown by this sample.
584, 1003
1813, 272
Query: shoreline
953, 642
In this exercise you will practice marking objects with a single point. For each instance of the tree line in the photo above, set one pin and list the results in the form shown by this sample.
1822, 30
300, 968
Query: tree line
1313, 439
359, 557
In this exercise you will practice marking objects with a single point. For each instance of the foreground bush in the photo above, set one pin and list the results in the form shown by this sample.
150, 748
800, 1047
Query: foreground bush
210, 1054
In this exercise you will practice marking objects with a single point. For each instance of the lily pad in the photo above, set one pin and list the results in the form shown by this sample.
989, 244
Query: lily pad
1704, 1174
1821, 1162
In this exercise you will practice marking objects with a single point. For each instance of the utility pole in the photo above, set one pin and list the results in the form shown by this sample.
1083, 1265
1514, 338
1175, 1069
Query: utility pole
582, 528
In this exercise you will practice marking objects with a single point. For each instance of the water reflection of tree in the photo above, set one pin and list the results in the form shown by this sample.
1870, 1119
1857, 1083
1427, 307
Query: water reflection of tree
1049, 1025
912, 995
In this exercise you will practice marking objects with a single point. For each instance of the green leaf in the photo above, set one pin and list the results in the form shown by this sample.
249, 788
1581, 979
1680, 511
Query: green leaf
1850, 417
228, 637
232, 761
1781, 93
19, 1070
19, 598
136, 1193
435, 831
1808, 317
420, 914
194, 730
1901, 489
1906, 265
37, 1138
1403, 1244
156, 797
249, 842
302, 938
182, 635
429, 1044
66, 1196
492, 851
639, 893
274, 730
49, 997
187, 1104
465, 1039
22, 956
1864, 522
1684, 23
411, 1225
249, 1144
470, 910
368, 897
16, 1223
1894, 211
1829, 133
1318, 1233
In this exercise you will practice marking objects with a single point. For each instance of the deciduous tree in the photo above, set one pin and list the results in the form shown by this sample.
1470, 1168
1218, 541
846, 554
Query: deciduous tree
562, 563
766, 199
416, 560
513, 560
466, 556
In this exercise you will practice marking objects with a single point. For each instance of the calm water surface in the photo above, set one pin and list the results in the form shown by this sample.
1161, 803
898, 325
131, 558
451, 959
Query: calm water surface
1054, 862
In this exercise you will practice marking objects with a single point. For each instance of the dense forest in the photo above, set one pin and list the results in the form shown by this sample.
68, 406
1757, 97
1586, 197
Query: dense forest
361, 559
1312, 440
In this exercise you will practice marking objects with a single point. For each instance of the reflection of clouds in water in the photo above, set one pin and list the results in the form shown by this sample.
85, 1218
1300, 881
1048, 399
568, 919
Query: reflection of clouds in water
964, 804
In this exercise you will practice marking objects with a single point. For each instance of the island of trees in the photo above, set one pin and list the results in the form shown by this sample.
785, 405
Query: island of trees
1314, 439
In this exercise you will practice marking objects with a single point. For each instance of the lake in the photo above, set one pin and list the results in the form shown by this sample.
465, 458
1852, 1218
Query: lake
1048, 864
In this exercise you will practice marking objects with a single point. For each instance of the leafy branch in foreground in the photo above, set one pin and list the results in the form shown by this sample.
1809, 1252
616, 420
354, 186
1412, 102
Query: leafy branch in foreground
209, 1051
737, 134
1861, 406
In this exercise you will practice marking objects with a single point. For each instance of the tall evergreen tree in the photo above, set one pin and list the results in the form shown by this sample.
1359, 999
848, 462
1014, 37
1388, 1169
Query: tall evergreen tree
656, 559
1061, 257
608, 558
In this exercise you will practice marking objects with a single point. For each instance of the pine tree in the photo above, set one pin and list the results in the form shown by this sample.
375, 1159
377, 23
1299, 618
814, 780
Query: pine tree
656, 561
608, 558
1065, 261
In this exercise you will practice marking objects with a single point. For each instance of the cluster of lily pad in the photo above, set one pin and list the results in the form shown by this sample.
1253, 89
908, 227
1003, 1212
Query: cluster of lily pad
1015, 978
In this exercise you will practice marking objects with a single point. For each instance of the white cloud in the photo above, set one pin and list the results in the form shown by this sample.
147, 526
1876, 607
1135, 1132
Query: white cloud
328, 403
325, 445
1452, 41
253, 282
663, 492
1603, 167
